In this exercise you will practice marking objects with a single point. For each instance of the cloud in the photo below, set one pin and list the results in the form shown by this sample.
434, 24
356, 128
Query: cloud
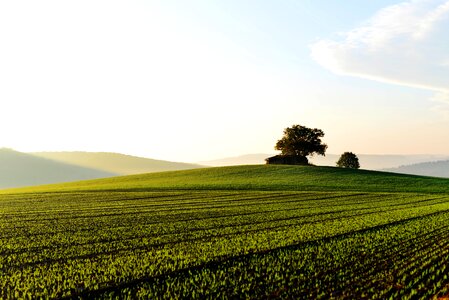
405, 44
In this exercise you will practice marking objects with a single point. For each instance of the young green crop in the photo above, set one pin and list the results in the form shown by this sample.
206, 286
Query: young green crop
219, 244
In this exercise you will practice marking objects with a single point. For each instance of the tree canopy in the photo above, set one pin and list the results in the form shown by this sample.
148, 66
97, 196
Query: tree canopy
301, 141
348, 160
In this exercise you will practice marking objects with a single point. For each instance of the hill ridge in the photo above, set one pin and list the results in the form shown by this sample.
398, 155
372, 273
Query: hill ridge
22, 169
262, 178
438, 168
122, 164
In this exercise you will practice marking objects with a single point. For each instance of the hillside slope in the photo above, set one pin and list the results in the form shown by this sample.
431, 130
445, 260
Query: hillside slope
262, 177
20, 169
115, 163
434, 168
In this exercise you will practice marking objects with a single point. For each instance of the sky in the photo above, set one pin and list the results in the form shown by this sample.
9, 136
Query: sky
205, 79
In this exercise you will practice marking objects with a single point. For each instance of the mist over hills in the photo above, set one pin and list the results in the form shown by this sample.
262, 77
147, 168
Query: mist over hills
247, 159
367, 161
115, 162
380, 162
434, 168
19, 169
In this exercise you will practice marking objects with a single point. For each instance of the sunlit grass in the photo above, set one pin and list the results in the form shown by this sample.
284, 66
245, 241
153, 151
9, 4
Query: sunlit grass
234, 232
262, 177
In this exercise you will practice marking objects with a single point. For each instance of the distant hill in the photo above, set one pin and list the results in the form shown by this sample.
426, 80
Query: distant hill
367, 161
24, 169
20, 169
115, 163
248, 159
380, 162
434, 168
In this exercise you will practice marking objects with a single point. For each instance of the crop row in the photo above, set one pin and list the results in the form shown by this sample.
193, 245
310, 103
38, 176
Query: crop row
186, 244
403, 260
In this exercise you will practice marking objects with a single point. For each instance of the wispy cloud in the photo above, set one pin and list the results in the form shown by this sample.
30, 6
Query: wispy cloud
404, 44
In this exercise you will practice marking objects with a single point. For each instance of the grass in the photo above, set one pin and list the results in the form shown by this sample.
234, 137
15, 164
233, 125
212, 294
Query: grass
260, 177
233, 232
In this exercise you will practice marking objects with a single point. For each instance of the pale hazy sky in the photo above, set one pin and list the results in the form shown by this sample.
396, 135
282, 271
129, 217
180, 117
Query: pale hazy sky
198, 80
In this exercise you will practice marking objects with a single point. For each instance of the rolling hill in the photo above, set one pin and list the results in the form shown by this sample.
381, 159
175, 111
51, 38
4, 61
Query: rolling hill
263, 178
115, 162
20, 169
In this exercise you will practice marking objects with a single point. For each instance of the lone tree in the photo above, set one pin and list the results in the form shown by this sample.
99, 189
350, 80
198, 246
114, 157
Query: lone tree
348, 160
298, 142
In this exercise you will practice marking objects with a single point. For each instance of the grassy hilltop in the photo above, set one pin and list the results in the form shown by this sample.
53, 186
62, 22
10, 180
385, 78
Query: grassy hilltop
246, 232
263, 177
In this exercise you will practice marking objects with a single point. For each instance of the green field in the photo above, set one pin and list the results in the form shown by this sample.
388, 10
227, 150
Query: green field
236, 232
